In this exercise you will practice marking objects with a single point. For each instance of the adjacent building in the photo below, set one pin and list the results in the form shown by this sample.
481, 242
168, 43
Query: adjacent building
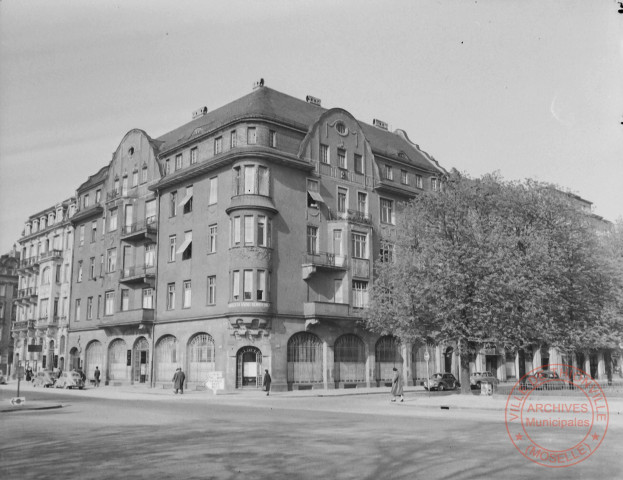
42, 301
9, 264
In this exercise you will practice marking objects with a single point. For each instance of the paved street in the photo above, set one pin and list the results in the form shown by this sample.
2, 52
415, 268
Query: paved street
155, 434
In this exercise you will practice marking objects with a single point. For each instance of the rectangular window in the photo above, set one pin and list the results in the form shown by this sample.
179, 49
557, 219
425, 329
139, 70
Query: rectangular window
101, 265
77, 311
249, 179
248, 229
186, 300
262, 180
186, 248
178, 161
148, 298
236, 230
248, 285
92, 268
236, 285
359, 164
387, 252
124, 186
116, 189
150, 255
362, 202
404, 177
90, 308
312, 240
251, 136
387, 211
341, 158
187, 201
172, 204
261, 231
93, 231
150, 212
360, 294
337, 242
418, 181
134, 178
342, 199
112, 260
81, 235
170, 296
213, 193
112, 224
125, 300
58, 274
212, 290
233, 139
193, 156
434, 183
324, 154
80, 271
212, 231
98, 195
360, 247
167, 166
144, 175
109, 303
85, 201
261, 286
272, 139
218, 145
389, 173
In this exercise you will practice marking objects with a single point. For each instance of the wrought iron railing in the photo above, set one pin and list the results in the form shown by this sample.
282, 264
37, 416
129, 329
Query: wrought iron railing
150, 225
139, 270
356, 216
325, 259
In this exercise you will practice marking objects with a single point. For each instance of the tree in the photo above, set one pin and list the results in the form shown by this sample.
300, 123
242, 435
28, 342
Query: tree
485, 260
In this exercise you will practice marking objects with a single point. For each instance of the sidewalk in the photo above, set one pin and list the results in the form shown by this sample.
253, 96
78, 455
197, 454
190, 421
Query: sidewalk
414, 396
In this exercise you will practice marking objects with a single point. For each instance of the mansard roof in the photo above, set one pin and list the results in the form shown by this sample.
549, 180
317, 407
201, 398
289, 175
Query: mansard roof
95, 179
268, 104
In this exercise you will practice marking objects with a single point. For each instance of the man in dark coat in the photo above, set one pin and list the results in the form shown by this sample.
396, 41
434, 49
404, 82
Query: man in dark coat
178, 380
97, 374
267, 381
397, 386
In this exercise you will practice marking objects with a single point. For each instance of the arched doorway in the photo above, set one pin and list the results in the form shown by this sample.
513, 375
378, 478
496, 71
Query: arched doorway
594, 363
140, 360
117, 361
388, 357
349, 359
544, 357
94, 358
200, 358
61, 363
447, 359
249, 368
166, 358
74, 359
304, 358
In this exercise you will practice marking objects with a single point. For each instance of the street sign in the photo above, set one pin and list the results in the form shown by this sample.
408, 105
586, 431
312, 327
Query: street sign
18, 401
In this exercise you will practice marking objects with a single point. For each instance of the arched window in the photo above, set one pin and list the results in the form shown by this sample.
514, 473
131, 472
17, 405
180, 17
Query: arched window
200, 357
388, 357
350, 359
304, 358
166, 358
45, 276
117, 360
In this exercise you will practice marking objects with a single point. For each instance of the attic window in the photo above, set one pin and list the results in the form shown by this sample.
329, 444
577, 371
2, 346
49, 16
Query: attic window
341, 128
131, 151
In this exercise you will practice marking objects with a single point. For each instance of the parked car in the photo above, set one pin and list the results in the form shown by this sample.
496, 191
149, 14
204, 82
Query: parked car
544, 380
70, 380
44, 379
478, 378
442, 381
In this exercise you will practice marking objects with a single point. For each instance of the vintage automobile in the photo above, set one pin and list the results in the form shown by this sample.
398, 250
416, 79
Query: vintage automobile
476, 379
544, 380
442, 381
70, 380
44, 379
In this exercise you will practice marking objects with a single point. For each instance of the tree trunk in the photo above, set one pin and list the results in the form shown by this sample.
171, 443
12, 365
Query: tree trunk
464, 370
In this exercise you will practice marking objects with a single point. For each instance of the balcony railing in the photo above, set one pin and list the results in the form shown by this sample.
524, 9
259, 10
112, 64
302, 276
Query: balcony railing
325, 259
51, 254
335, 172
349, 215
137, 274
29, 262
127, 317
25, 293
141, 228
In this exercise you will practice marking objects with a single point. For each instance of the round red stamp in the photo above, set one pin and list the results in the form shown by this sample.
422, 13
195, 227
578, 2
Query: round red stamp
557, 417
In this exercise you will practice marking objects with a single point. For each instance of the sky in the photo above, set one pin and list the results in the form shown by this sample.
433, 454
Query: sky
530, 89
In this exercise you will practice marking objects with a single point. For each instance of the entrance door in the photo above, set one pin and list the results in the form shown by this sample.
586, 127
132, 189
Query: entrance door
249, 368
140, 360
491, 362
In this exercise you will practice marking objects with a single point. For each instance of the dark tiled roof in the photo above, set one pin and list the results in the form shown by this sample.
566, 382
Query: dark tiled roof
264, 102
94, 179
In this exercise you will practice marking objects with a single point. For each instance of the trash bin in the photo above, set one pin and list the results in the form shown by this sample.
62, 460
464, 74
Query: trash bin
486, 388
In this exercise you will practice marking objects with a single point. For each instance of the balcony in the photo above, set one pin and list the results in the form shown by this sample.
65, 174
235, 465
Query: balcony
128, 193
128, 317
138, 275
51, 255
342, 174
144, 230
325, 309
29, 265
322, 261
87, 212
353, 216
21, 325
27, 295
391, 186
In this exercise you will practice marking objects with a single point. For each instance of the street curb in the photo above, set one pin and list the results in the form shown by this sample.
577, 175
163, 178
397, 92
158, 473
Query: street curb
24, 409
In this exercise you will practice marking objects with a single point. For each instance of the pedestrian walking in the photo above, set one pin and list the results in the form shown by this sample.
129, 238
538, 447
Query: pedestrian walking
267, 381
96, 374
178, 380
397, 386
29, 374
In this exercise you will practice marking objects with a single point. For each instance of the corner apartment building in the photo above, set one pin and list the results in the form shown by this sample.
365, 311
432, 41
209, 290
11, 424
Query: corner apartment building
242, 241
42, 301
9, 263
113, 279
